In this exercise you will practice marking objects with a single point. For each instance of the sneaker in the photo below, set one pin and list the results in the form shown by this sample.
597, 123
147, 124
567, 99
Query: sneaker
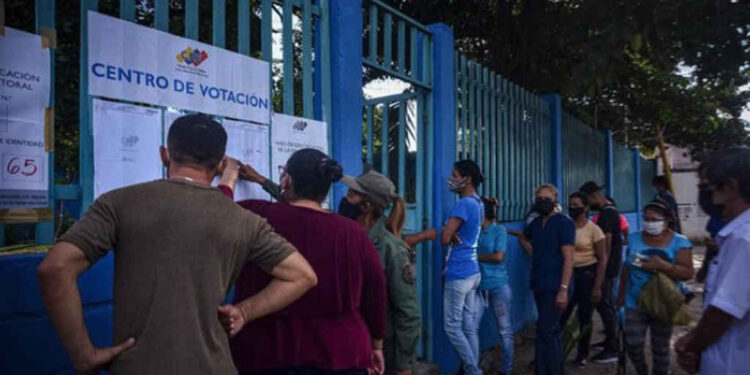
606, 356
580, 362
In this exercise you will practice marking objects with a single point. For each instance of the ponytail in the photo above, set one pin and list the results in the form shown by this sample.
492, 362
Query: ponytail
397, 218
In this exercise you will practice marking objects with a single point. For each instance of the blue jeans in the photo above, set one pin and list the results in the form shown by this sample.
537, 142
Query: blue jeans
460, 307
499, 300
549, 357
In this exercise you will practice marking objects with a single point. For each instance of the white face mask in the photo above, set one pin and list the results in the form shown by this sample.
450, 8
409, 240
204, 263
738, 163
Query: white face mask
653, 227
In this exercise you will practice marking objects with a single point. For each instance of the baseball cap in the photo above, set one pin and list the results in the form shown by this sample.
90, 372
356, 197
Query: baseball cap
378, 188
591, 187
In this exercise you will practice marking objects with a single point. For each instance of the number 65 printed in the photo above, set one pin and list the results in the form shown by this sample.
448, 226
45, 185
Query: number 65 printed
22, 168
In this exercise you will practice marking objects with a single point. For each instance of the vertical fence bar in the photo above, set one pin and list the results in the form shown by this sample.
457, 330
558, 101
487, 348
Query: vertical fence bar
506, 166
307, 86
387, 39
161, 15
127, 10
45, 230
384, 142
464, 110
372, 53
191, 19
478, 113
493, 135
266, 41
219, 25
401, 54
401, 143
370, 122
413, 65
86, 141
243, 27
286, 36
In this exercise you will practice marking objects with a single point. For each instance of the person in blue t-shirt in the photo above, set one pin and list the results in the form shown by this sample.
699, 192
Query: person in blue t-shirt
461, 236
552, 236
657, 249
494, 287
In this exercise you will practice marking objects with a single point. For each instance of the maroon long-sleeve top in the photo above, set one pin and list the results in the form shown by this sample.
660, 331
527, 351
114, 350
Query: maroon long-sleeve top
332, 325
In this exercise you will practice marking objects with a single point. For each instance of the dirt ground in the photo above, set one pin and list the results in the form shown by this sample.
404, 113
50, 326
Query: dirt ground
524, 342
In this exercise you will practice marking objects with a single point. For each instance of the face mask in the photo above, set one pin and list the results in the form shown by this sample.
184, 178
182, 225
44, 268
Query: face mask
543, 206
705, 200
350, 210
576, 211
456, 184
653, 228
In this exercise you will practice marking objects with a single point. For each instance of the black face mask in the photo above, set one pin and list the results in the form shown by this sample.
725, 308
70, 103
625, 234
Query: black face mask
543, 206
350, 210
576, 211
705, 200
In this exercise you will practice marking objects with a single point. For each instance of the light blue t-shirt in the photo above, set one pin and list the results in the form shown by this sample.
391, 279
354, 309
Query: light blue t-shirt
462, 258
639, 277
493, 240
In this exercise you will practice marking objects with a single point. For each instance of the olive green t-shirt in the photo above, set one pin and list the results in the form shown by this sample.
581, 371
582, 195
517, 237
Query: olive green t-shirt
178, 246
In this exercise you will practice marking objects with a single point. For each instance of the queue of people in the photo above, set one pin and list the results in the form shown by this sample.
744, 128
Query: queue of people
323, 293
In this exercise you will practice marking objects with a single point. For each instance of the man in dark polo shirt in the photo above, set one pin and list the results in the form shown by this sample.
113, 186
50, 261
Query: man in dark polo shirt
179, 244
552, 237
609, 222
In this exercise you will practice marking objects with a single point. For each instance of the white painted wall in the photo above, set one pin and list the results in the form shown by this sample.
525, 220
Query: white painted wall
686, 192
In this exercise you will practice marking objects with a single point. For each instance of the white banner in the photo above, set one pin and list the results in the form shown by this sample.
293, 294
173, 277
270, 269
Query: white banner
24, 95
140, 64
126, 145
289, 134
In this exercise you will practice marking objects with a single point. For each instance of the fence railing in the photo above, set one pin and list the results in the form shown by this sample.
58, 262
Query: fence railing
584, 155
624, 172
648, 172
505, 129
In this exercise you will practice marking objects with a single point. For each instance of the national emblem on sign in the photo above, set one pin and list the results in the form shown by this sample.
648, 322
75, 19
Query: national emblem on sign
192, 56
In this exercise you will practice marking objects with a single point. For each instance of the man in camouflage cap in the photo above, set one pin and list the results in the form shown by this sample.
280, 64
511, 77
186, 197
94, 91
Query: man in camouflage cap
368, 197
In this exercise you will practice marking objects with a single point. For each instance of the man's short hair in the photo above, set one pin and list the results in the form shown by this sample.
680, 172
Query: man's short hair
733, 163
197, 140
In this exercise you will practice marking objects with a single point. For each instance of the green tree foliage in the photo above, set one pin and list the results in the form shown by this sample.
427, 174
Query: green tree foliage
642, 68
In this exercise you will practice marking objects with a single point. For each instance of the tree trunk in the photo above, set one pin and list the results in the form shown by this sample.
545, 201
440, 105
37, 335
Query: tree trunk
665, 161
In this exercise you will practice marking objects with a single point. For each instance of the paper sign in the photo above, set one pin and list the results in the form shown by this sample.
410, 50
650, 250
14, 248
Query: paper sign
289, 134
24, 95
248, 143
140, 64
126, 145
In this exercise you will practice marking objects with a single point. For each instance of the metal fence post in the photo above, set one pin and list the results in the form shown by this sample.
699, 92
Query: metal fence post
637, 182
610, 171
556, 153
444, 140
346, 88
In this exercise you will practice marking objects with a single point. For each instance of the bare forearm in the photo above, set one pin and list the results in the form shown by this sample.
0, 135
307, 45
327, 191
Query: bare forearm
711, 327
567, 269
63, 302
274, 297
678, 272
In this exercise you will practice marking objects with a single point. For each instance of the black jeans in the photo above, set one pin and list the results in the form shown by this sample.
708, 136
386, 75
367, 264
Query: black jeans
606, 309
583, 284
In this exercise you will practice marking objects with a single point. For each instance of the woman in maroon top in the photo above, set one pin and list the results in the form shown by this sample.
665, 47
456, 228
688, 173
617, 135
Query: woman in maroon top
338, 326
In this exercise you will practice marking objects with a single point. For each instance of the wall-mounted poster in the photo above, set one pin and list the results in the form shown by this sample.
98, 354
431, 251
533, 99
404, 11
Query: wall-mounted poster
140, 64
248, 143
126, 145
24, 96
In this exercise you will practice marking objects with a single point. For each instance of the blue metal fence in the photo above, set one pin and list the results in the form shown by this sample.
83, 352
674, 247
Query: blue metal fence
648, 172
506, 130
624, 174
584, 155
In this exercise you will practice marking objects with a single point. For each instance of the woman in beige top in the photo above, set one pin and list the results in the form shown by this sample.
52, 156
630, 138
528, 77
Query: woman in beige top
589, 267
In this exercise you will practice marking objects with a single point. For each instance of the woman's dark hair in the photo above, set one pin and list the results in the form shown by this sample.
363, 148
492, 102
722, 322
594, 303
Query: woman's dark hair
312, 173
468, 168
490, 208
662, 207
582, 196
733, 163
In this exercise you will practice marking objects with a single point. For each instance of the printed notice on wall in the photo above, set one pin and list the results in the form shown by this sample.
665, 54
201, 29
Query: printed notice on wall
24, 95
248, 143
289, 134
131, 62
126, 145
